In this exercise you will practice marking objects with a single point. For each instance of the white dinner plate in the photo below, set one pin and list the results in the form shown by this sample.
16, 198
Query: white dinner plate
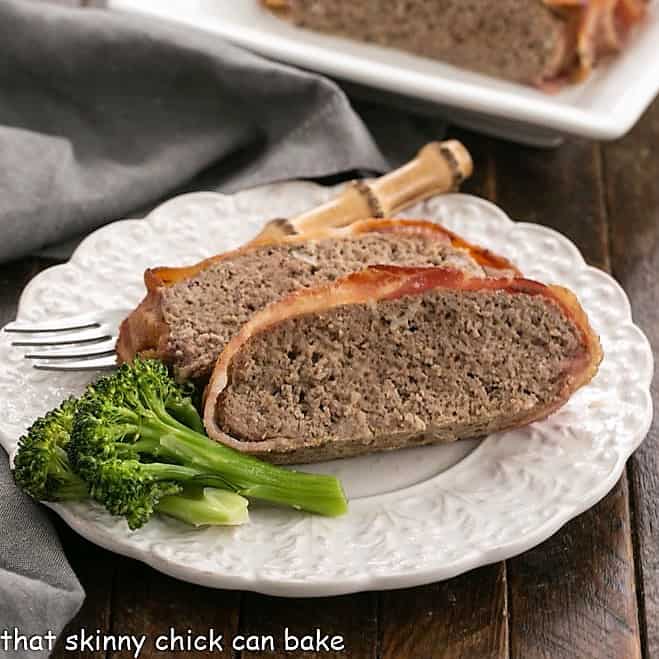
604, 107
415, 516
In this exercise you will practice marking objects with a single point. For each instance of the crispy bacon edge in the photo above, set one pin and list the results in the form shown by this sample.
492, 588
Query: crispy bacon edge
379, 283
145, 331
595, 28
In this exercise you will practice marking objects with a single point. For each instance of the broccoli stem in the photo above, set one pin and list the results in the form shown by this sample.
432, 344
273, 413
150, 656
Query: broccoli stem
205, 506
169, 472
316, 493
186, 413
183, 474
73, 488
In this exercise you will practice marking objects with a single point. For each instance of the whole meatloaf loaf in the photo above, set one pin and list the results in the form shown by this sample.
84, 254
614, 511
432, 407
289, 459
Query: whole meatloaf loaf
530, 41
393, 357
190, 314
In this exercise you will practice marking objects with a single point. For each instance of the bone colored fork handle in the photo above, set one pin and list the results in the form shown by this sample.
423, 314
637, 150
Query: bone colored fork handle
438, 167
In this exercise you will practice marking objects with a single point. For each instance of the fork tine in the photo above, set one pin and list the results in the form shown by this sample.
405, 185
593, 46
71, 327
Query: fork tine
70, 352
98, 364
63, 325
80, 336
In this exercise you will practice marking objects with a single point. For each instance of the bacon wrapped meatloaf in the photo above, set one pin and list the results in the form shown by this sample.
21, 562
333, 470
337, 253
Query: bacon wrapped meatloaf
189, 314
393, 357
530, 41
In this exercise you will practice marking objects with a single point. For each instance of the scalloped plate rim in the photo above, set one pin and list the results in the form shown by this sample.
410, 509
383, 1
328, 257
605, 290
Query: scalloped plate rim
310, 587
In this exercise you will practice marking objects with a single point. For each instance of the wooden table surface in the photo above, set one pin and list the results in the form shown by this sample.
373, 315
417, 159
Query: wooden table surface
592, 590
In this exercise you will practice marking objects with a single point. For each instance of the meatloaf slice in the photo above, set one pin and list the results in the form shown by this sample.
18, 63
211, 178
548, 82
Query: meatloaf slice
529, 41
393, 357
519, 40
189, 314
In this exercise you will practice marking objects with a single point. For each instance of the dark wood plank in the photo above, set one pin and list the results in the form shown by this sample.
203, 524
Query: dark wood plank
465, 616
95, 568
13, 277
352, 617
560, 188
573, 596
631, 169
462, 617
483, 181
148, 602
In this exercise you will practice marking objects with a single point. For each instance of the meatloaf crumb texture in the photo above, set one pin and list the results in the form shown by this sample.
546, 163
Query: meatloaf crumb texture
437, 367
520, 40
204, 312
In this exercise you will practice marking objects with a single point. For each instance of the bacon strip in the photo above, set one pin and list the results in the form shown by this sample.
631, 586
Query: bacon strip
164, 276
379, 283
600, 27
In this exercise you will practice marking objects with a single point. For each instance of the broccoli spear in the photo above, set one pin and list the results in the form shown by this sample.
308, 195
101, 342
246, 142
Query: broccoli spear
43, 470
127, 444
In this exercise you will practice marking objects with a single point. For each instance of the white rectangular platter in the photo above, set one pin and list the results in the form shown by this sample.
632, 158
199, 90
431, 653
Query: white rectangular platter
604, 107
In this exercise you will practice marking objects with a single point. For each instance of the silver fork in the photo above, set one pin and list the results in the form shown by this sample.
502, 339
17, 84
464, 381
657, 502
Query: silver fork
77, 343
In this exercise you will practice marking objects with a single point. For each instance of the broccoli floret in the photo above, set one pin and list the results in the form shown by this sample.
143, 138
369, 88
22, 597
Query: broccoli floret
128, 444
43, 470
41, 465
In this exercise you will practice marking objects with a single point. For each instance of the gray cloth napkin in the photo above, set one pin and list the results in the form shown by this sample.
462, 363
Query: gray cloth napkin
39, 593
103, 114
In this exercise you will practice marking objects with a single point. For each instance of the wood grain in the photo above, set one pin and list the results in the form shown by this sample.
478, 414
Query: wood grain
462, 617
483, 182
13, 277
631, 168
573, 596
560, 188
148, 602
95, 569
353, 617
